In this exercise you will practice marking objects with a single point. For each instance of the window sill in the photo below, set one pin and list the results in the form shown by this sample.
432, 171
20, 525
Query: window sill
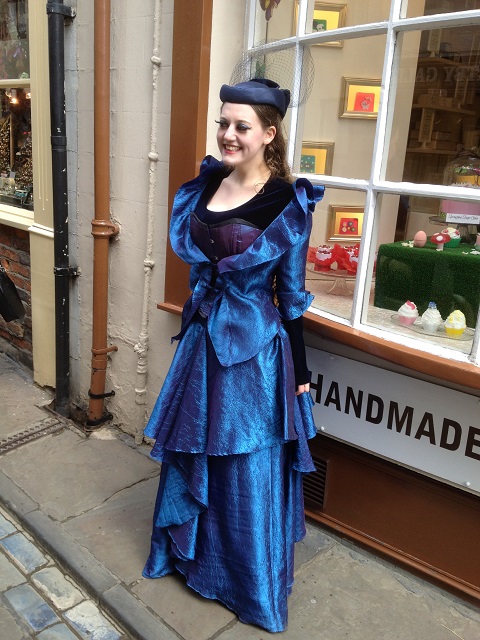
16, 217
467, 375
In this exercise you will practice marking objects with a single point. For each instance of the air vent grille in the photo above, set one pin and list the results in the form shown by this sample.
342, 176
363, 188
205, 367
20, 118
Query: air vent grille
314, 485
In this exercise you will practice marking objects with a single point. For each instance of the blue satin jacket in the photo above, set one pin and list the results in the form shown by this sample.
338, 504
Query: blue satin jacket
243, 317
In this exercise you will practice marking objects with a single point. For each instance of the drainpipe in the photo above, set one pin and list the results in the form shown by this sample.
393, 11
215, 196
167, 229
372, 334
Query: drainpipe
102, 227
141, 348
57, 14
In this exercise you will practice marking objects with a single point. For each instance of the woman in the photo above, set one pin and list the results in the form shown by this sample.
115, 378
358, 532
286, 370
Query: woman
233, 417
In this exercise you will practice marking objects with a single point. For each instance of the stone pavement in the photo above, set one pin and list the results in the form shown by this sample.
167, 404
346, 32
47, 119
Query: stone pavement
74, 534
37, 600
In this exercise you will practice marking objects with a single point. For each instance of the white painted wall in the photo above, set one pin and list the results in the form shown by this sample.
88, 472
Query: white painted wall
131, 103
130, 144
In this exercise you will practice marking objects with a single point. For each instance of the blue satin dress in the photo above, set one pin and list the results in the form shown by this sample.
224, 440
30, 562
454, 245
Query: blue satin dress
228, 428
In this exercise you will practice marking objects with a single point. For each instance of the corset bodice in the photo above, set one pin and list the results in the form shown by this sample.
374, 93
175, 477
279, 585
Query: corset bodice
222, 239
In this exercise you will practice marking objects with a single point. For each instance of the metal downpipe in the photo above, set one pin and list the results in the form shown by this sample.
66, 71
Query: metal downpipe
57, 13
102, 227
142, 346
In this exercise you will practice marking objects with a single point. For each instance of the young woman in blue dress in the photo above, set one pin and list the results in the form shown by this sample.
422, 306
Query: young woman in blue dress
233, 417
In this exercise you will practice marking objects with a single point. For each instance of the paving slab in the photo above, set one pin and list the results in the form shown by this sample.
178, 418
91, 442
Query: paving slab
9, 629
343, 594
10, 576
23, 552
31, 607
21, 403
58, 632
56, 588
118, 532
192, 617
90, 623
76, 473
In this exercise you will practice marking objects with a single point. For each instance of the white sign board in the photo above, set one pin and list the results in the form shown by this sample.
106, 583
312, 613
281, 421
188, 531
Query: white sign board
463, 218
415, 423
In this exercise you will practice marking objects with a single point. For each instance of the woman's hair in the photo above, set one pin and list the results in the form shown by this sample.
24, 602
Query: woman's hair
276, 150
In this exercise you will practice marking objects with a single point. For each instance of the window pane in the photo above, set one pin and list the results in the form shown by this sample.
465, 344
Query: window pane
16, 172
417, 8
333, 252
342, 109
278, 21
436, 112
416, 270
274, 22
14, 55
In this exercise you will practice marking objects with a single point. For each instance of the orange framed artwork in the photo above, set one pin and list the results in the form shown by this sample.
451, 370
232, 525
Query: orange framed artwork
346, 223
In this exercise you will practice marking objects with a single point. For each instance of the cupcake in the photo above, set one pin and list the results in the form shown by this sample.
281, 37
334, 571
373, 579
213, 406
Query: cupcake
323, 258
431, 319
408, 313
455, 324
454, 237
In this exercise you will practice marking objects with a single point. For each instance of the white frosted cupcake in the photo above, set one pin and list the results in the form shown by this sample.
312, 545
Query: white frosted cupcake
431, 318
455, 324
408, 313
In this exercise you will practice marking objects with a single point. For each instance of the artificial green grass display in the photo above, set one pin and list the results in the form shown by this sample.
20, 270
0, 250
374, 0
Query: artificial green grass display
451, 278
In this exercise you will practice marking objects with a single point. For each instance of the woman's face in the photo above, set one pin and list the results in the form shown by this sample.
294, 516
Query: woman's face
241, 137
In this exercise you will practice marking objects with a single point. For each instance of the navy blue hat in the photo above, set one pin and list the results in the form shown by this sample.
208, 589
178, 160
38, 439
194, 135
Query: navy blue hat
257, 91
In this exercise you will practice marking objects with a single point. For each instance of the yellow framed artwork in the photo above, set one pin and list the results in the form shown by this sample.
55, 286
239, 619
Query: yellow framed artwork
346, 223
317, 157
326, 16
360, 98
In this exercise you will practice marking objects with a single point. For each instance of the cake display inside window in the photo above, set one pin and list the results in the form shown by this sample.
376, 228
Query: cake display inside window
16, 169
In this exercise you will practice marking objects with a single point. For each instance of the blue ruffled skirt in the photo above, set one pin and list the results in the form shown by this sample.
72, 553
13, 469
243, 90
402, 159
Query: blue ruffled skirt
233, 446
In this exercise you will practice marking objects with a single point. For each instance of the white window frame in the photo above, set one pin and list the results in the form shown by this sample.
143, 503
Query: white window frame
376, 185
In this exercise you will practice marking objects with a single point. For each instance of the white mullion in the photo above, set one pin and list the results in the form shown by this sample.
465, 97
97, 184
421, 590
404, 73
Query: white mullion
387, 98
438, 21
446, 192
336, 182
250, 26
475, 351
347, 33
302, 17
363, 280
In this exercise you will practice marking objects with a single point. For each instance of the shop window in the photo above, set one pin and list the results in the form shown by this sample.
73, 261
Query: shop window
359, 135
380, 116
430, 7
277, 21
16, 170
333, 254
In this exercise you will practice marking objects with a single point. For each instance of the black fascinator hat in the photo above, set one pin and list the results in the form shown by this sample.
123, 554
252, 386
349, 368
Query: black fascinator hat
257, 91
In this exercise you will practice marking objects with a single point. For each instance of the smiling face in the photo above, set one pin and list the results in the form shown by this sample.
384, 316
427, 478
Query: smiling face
241, 137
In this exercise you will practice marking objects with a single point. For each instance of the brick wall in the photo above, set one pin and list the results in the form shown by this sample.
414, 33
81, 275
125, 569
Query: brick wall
15, 257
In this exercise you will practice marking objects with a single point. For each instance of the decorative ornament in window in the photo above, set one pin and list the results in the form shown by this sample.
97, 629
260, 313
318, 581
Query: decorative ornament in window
268, 6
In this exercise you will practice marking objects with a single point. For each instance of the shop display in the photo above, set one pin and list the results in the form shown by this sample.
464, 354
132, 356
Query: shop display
440, 239
431, 318
337, 258
455, 324
455, 237
419, 239
408, 313
449, 277
463, 171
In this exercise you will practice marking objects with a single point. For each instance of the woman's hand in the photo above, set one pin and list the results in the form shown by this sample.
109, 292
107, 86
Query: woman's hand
302, 388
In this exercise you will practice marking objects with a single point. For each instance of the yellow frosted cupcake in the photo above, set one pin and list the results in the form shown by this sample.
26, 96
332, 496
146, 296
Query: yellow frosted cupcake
455, 324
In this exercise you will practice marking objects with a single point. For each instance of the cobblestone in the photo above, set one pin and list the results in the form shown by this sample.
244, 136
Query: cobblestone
37, 600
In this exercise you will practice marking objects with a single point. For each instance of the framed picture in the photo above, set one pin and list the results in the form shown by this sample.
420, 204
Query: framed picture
326, 16
360, 98
317, 157
346, 223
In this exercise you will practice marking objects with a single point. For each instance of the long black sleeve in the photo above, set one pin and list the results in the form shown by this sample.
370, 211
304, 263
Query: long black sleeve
294, 328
